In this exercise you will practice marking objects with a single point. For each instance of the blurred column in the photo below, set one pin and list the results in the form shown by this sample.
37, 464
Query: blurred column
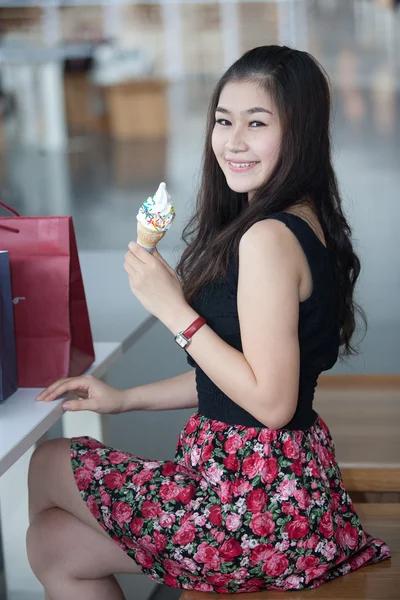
287, 22
363, 10
58, 182
389, 31
112, 20
358, 18
172, 19
51, 25
51, 98
301, 24
25, 87
50, 74
229, 14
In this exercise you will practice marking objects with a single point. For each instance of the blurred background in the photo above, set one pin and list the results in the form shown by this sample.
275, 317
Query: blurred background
99, 102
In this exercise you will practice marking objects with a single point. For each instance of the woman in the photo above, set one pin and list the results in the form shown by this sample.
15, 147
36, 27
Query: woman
254, 498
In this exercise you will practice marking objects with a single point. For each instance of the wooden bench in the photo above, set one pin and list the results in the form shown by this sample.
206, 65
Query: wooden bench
372, 484
363, 415
375, 582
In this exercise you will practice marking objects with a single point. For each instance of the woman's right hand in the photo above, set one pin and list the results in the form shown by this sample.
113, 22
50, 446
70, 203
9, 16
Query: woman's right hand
93, 394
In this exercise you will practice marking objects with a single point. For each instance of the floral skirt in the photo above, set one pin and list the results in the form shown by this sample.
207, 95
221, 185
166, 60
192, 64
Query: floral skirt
239, 509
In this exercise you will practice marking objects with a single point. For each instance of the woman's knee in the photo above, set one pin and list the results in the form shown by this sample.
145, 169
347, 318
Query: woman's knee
42, 544
45, 457
61, 546
49, 451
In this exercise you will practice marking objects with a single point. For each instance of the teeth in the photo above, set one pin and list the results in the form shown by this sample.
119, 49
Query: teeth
242, 165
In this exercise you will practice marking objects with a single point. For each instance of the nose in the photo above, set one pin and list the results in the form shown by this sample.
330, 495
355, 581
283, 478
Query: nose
235, 141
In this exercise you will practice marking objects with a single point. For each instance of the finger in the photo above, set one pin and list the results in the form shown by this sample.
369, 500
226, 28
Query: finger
131, 272
51, 388
83, 395
132, 261
68, 385
158, 256
75, 405
139, 253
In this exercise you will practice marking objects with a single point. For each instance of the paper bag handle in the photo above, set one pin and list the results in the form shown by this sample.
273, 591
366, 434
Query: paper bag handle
14, 212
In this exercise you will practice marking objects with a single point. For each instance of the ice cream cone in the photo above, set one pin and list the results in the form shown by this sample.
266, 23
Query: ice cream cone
148, 238
154, 218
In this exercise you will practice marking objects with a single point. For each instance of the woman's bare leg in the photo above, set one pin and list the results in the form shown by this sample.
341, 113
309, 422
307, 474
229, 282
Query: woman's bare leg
71, 560
51, 483
52, 486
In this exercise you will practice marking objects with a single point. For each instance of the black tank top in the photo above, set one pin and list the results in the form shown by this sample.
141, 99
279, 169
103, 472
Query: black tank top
318, 330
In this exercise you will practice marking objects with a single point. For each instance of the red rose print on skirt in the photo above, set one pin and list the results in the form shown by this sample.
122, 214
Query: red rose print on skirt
237, 510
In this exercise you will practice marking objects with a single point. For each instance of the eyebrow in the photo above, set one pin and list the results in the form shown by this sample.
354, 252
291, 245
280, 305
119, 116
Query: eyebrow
250, 111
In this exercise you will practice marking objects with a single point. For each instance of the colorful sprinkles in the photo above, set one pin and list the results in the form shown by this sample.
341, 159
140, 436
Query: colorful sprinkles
156, 220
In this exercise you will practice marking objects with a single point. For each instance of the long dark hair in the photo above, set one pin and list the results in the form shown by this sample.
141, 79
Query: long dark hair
299, 88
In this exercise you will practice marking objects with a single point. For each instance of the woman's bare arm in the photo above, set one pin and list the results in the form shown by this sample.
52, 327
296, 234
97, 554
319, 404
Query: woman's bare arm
169, 394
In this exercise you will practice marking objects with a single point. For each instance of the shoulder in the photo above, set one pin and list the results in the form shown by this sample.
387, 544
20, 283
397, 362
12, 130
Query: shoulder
270, 262
270, 240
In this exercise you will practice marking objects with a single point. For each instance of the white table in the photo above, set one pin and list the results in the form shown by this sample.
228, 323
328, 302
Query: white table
23, 421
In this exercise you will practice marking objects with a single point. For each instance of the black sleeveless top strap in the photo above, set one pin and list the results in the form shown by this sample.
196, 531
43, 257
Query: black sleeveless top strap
318, 330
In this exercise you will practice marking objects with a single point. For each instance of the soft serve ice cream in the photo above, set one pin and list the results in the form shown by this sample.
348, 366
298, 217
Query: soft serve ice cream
154, 218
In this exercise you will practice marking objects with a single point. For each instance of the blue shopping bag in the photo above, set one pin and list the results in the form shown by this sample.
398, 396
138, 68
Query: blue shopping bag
8, 361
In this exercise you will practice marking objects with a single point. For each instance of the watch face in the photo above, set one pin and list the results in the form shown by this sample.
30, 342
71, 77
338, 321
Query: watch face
180, 340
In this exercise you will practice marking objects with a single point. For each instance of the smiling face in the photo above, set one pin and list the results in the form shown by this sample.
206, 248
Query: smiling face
246, 136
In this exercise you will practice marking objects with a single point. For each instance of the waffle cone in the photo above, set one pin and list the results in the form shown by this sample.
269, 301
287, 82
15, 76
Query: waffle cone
148, 238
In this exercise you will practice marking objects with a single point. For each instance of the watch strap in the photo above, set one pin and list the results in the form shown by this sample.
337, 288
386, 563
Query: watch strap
195, 326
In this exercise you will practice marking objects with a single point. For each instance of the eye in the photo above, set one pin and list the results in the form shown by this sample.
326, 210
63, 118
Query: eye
255, 124
223, 122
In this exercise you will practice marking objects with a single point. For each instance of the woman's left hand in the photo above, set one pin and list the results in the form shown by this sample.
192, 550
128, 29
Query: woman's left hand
154, 283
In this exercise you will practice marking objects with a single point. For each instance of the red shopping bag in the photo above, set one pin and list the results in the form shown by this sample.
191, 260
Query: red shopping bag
52, 330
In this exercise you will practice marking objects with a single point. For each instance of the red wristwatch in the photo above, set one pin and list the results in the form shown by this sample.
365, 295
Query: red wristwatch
183, 338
